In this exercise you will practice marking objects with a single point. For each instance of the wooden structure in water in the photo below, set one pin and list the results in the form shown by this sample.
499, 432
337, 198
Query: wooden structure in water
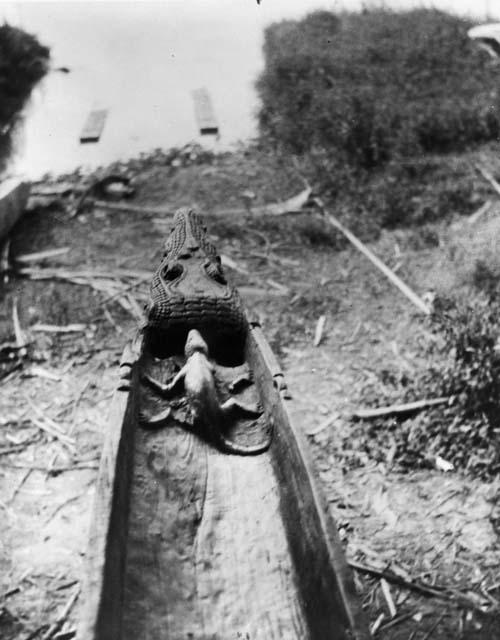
204, 112
94, 125
189, 542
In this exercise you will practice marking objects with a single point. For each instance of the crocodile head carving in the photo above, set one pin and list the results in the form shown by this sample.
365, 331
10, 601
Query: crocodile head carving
189, 289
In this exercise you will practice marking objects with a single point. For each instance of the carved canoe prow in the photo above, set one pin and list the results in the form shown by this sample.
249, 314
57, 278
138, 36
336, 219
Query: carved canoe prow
191, 542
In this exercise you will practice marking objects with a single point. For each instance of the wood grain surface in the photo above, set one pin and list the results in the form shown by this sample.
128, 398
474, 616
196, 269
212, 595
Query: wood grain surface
207, 552
189, 543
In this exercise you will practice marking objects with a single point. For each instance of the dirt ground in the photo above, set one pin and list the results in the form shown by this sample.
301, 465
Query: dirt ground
426, 524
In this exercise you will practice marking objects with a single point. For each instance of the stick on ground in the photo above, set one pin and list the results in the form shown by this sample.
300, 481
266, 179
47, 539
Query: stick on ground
404, 288
488, 177
398, 409
54, 628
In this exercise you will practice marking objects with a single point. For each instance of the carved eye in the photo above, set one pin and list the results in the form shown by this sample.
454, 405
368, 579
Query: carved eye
171, 271
214, 271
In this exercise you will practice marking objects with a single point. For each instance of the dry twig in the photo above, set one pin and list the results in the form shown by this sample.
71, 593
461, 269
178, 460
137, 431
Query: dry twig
398, 409
488, 177
404, 288
419, 586
42, 255
318, 334
61, 619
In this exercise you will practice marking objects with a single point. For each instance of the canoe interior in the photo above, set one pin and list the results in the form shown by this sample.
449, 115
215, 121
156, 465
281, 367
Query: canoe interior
188, 542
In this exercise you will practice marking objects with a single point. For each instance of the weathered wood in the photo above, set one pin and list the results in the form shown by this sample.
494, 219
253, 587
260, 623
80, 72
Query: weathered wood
218, 567
14, 194
94, 125
101, 615
328, 595
190, 542
204, 112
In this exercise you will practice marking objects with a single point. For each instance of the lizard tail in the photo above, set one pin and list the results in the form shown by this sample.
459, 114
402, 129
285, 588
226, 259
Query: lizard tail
229, 446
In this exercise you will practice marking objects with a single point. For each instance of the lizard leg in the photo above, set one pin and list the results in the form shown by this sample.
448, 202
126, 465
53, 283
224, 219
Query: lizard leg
165, 390
231, 405
153, 422
240, 381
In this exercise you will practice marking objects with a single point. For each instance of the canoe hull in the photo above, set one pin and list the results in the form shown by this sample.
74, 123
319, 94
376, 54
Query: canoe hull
188, 540
14, 194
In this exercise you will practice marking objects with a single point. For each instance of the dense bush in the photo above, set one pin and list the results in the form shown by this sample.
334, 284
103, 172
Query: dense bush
378, 85
23, 63
465, 366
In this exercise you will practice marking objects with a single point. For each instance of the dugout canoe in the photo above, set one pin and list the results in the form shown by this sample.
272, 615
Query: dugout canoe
14, 194
188, 542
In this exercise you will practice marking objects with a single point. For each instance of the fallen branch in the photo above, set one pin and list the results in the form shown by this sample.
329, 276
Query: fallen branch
404, 288
46, 424
54, 470
63, 616
5, 451
433, 628
279, 287
398, 409
261, 292
318, 334
292, 205
229, 262
39, 372
418, 586
488, 177
52, 328
126, 288
42, 255
395, 621
9, 593
19, 485
43, 426
60, 507
47, 273
484, 208
66, 635
118, 206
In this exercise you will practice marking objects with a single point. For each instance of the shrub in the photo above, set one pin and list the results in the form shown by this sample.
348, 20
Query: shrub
377, 85
23, 63
465, 367
485, 278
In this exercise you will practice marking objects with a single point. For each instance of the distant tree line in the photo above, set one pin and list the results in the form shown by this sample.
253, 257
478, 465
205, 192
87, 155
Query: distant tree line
377, 85
23, 63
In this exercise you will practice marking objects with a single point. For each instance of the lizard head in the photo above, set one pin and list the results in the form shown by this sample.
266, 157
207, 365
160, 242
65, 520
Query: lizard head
195, 343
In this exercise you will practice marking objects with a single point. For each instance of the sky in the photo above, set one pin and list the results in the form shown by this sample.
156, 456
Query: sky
141, 61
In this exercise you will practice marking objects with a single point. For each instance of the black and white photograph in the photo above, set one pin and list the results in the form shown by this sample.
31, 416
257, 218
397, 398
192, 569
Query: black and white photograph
250, 320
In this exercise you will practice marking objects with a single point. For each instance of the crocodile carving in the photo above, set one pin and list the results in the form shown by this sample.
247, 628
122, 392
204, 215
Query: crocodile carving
192, 306
189, 290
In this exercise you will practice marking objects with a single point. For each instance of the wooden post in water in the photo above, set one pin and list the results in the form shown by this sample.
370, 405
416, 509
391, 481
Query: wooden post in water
204, 112
94, 126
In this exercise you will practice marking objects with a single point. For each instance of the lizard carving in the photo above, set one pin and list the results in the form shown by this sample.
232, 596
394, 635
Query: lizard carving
197, 377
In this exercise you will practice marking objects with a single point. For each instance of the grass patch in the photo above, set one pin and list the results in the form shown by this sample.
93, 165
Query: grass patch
464, 365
